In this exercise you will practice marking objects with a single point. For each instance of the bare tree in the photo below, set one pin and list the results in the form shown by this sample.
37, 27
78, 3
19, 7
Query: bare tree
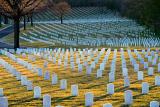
16, 10
61, 9
0, 20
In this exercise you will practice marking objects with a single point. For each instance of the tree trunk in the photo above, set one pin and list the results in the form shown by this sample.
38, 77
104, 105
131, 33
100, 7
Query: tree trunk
28, 19
5, 20
61, 19
16, 33
24, 22
0, 21
31, 20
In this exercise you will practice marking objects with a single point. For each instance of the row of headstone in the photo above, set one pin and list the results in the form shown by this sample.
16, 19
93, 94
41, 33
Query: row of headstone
14, 72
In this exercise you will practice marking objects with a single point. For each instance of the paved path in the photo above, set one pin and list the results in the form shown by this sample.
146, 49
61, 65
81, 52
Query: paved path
4, 32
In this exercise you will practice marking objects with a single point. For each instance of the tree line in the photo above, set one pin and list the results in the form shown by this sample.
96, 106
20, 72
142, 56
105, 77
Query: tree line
146, 12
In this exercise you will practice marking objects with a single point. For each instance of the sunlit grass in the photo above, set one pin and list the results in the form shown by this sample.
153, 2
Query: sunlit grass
19, 96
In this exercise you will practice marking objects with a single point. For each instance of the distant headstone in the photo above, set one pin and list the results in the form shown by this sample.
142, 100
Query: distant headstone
150, 71
45, 64
149, 58
80, 67
23, 80
89, 99
99, 73
102, 66
93, 65
59, 62
40, 72
54, 79
158, 67
126, 82
18, 76
29, 85
111, 77
136, 67
125, 72
47, 75
140, 75
88, 70
145, 65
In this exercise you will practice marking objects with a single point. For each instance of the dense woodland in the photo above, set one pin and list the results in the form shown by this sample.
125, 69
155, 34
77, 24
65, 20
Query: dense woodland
146, 12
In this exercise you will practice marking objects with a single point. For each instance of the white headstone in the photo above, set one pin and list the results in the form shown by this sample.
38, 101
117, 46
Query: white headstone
18, 76
24, 80
125, 72
136, 67
3, 102
1, 92
72, 66
107, 105
45, 64
150, 71
145, 65
158, 67
99, 73
54, 79
157, 80
154, 104
110, 88
89, 99
93, 65
78, 61
46, 101
29, 86
102, 66
65, 64
111, 77
88, 70
74, 90
47, 75
63, 84
149, 58
80, 67
37, 92
40, 72
29, 66
128, 97
59, 62
54, 60
140, 75
154, 61
145, 88
126, 82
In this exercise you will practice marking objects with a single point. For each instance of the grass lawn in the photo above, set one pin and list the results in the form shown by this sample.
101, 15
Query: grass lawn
19, 96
